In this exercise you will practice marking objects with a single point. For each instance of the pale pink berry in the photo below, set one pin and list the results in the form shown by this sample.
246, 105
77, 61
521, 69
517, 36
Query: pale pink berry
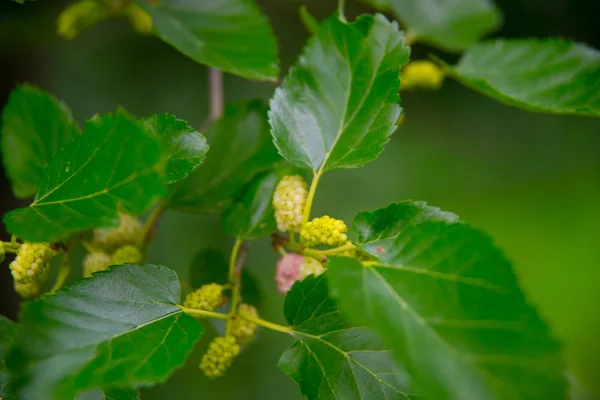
289, 270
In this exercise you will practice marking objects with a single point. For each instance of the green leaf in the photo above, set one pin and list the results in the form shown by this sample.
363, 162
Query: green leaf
448, 303
252, 215
35, 127
7, 335
552, 75
119, 328
339, 104
332, 358
452, 25
114, 165
185, 146
232, 35
110, 394
240, 148
210, 266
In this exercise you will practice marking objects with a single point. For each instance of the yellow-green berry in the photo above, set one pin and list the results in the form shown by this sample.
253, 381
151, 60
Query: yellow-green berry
31, 267
288, 201
219, 356
139, 19
94, 262
421, 74
79, 16
2, 252
129, 231
207, 298
242, 329
311, 267
127, 254
324, 231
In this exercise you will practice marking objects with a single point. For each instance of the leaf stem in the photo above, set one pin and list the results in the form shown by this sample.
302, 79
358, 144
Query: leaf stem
217, 98
265, 323
311, 196
328, 252
203, 314
341, 14
150, 225
235, 263
64, 269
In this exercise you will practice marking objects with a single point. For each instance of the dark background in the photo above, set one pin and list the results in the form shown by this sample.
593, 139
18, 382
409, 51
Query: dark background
531, 180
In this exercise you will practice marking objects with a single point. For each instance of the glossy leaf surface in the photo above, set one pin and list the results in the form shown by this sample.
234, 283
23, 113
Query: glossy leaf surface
333, 358
552, 76
119, 328
240, 148
339, 104
114, 165
447, 302
449, 24
231, 35
185, 146
35, 128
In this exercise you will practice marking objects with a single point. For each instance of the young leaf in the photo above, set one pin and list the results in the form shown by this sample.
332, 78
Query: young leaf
35, 127
7, 335
117, 329
552, 75
115, 164
447, 302
339, 105
185, 146
210, 266
252, 215
332, 358
232, 35
240, 149
449, 24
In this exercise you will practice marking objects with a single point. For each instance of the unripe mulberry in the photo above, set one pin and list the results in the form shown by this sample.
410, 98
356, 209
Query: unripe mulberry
422, 74
31, 267
94, 262
324, 231
312, 266
219, 356
129, 231
207, 298
2, 252
79, 16
288, 271
127, 254
288, 201
242, 329
140, 20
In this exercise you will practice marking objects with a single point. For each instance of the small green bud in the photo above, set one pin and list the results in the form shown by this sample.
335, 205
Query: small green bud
242, 329
207, 298
129, 231
94, 262
219, 356
127, 254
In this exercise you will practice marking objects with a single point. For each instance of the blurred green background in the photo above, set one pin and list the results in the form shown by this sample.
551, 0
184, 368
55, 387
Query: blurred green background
532, 181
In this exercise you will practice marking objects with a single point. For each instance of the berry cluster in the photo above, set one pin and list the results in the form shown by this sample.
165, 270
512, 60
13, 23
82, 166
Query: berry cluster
207, 298
219, 356
242, 329
288, 201
324, 231
31, 267
120, 245
422, 74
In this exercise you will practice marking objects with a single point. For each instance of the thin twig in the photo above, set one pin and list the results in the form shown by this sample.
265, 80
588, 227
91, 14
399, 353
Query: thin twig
217, 98
266, 324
